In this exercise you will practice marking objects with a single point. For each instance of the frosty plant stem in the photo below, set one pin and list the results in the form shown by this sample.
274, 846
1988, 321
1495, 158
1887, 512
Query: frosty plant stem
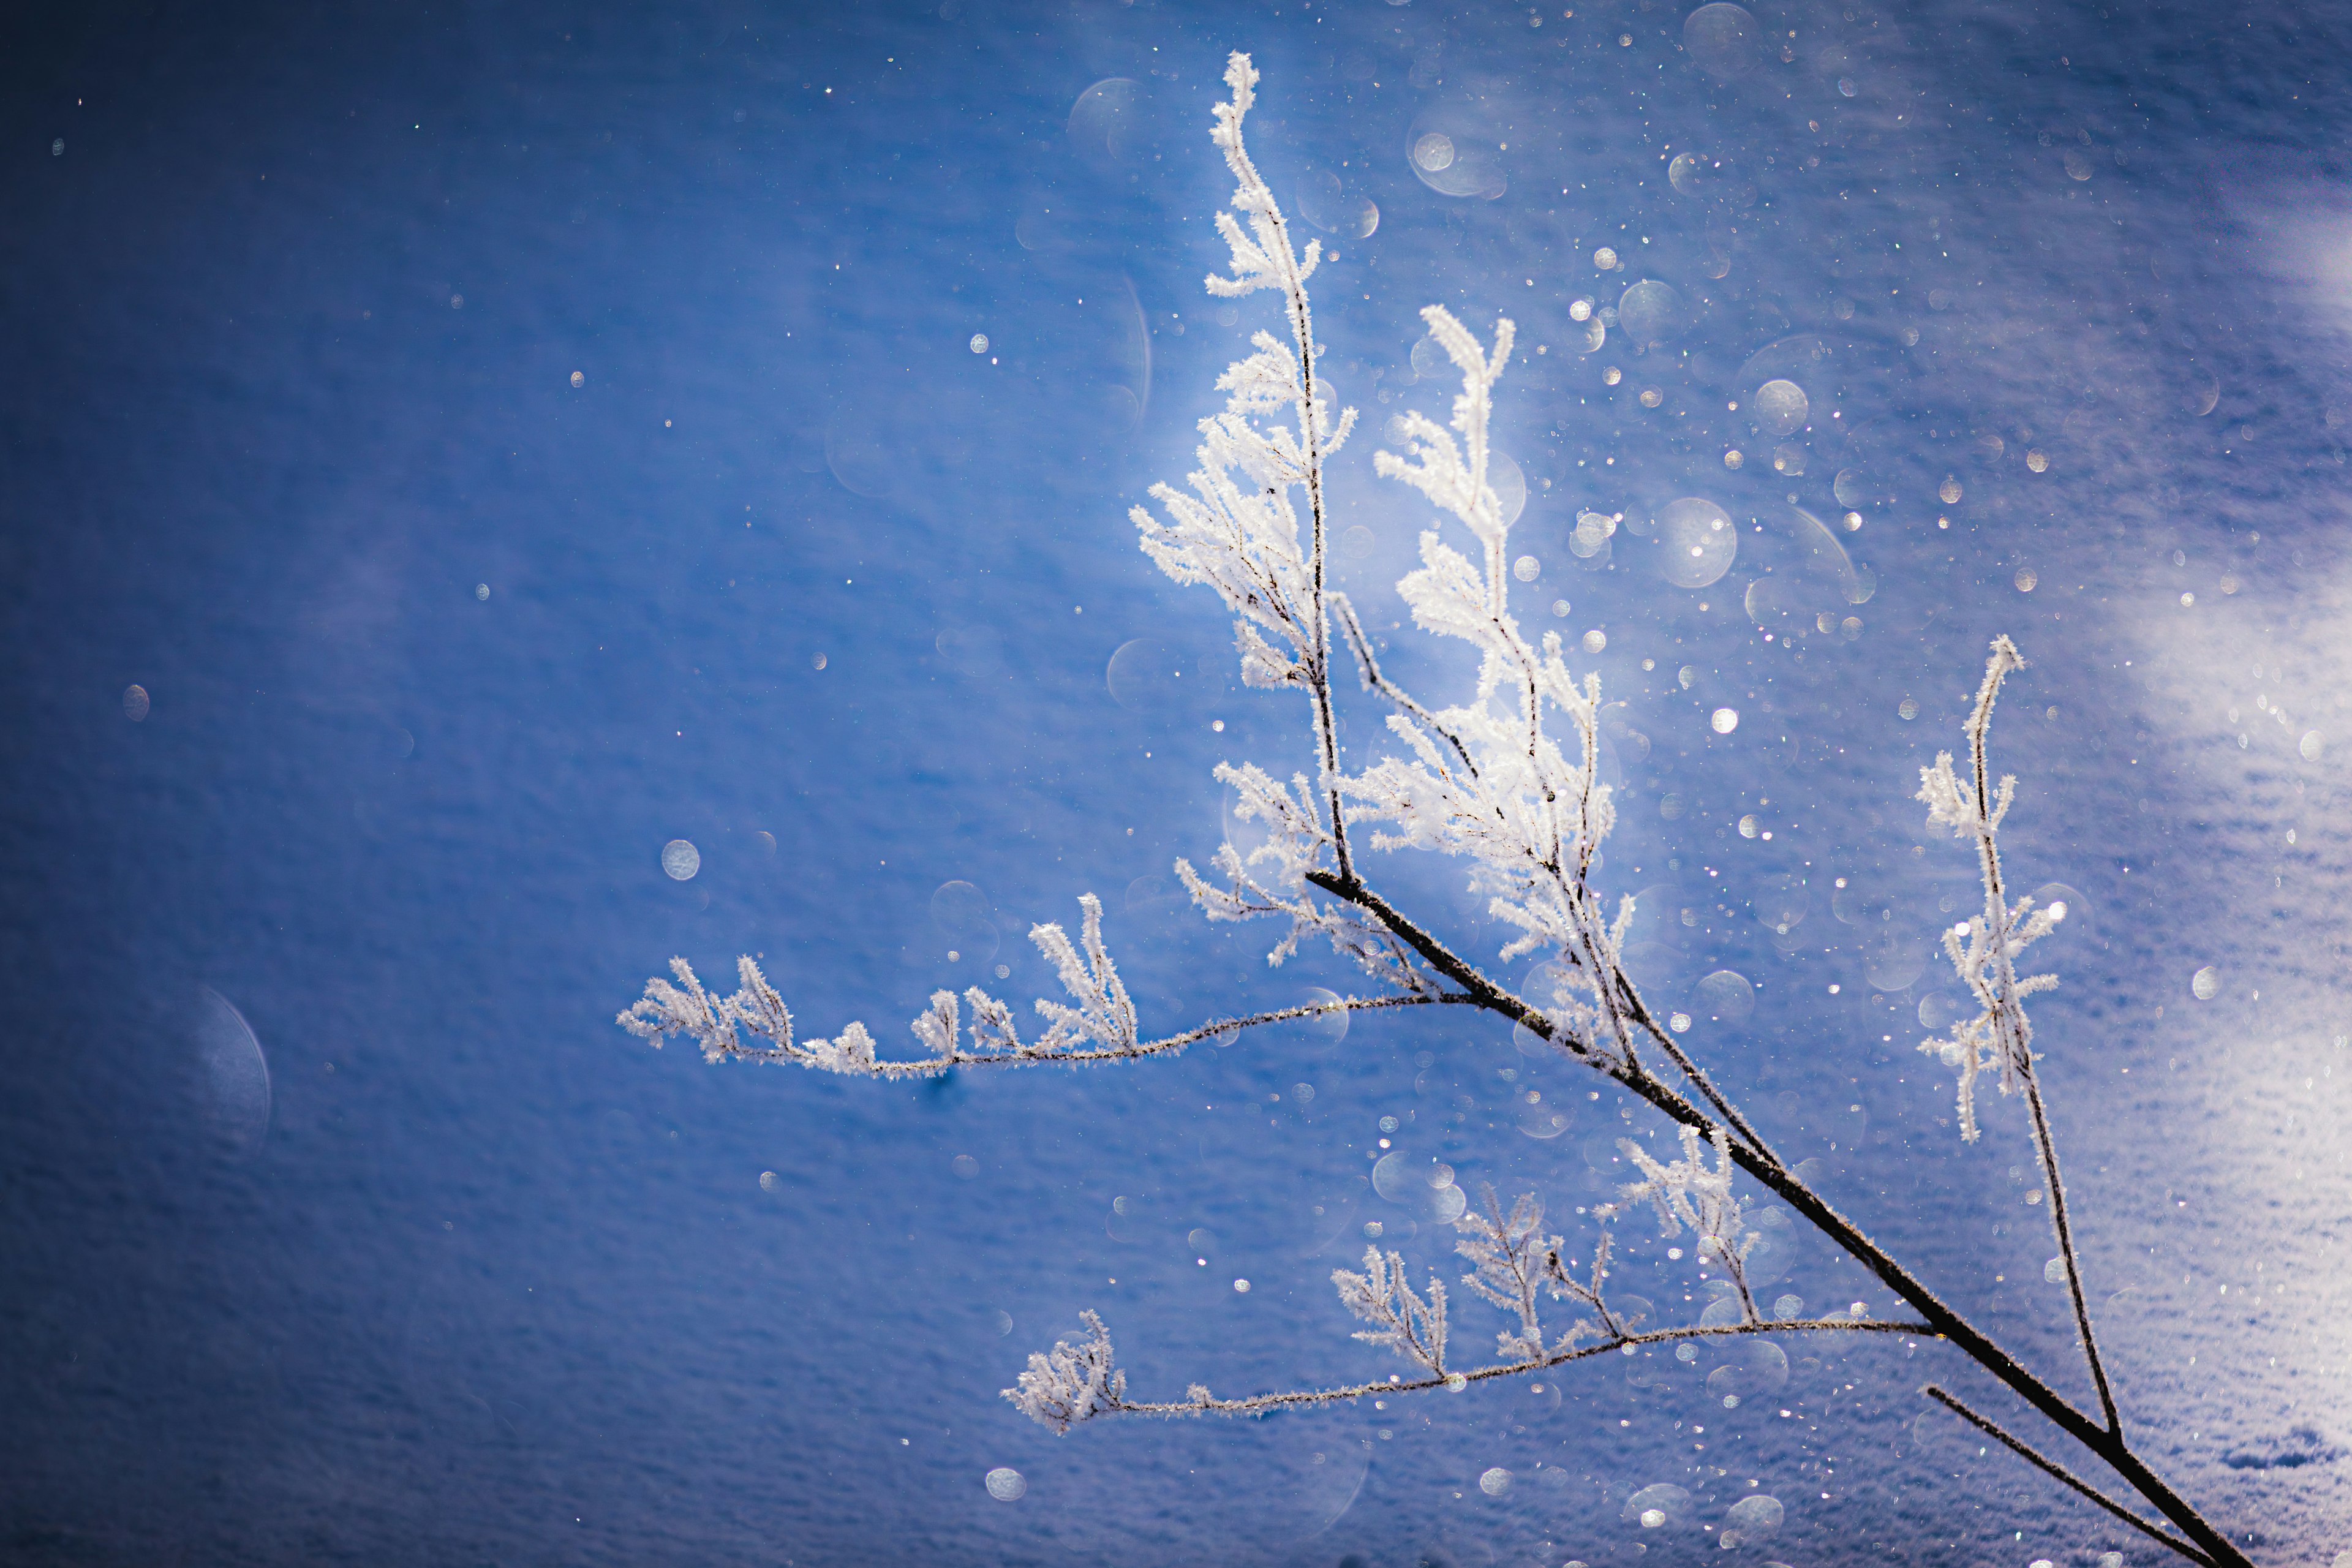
1485, 781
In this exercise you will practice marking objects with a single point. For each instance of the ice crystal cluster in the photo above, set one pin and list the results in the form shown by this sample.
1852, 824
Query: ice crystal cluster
1504, 779
1102, 1024
1984, 949
1686, 1192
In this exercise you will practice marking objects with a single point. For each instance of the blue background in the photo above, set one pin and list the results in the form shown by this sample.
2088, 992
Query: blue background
291, 305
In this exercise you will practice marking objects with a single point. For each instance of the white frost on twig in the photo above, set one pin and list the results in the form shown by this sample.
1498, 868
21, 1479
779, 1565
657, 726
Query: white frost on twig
1401, 1321
1508, 1254
1238, 531
1455, 477
1263, 258
1985, 948
718, 1022
1488, 781
1103, 1018
1271, 881
1103, 1015
1073, 1382
1684, 1192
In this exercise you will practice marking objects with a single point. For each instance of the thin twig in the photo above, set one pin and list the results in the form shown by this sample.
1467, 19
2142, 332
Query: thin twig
1370, 668
1692, 1070
1302, 333
1257, 1404
2059, 1222
933, 1066
2018, 1038
2057, 1471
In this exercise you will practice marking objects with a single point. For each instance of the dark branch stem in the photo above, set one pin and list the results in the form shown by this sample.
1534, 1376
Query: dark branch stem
1942, 1319
1628, 998
2059, 1472
1483, 992
2060, 1223
1374, 680
1310, 441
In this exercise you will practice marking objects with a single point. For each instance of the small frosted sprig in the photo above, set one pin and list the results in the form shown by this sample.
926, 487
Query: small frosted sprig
718, 1023
1104, 1015
1101, 1022
1687, 1191
1454, 476
1262, 258
1238, 531
1071, 1382
2000, 1037
1507, 1254
1411, 1325
1984, 949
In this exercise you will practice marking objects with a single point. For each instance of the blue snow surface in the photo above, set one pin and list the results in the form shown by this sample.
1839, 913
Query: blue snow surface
499, 440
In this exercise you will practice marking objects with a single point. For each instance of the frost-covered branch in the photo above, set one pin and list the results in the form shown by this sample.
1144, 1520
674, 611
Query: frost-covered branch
1685, 1192
1505, 778
1238, 531
1381, 1296
1513, 1263
1455, 477
1486, 781
1101, 1028
1200, 1401
1984, 948
1984, 952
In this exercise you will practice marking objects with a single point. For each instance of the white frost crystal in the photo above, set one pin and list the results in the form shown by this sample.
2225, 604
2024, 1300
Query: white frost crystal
1071, 1382
1984, 949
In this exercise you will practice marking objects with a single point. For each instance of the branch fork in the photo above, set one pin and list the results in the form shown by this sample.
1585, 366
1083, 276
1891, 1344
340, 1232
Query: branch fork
1507, 780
